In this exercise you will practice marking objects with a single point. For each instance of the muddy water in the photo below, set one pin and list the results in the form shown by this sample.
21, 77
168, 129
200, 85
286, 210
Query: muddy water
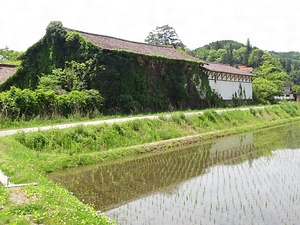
248, 179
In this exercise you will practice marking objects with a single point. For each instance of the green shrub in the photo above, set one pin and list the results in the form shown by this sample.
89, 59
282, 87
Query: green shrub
17, 104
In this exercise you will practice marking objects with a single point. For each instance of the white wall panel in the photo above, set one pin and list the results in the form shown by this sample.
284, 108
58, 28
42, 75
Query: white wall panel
227, 88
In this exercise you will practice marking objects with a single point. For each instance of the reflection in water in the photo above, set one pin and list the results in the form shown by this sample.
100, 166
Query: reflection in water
224, 182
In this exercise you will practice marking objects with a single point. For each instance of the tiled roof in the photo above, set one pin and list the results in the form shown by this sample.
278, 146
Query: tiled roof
6, 71
222, 68
112, 43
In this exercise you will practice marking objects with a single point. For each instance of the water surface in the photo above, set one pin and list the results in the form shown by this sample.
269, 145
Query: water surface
248, 179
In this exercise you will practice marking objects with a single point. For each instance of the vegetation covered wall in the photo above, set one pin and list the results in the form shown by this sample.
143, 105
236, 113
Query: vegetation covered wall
64, 61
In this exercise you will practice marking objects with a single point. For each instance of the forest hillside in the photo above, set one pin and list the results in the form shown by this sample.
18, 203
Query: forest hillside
235, 54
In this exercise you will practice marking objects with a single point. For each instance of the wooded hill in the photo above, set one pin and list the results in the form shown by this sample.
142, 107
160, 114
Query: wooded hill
235, 53
290, 61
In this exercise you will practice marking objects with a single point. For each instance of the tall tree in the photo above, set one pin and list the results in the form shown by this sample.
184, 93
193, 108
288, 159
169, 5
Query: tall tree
248, 51
165, 35
270, 81
249, 46
230, 59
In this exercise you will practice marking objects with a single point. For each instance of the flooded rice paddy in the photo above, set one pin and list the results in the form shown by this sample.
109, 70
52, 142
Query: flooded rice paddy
248, 179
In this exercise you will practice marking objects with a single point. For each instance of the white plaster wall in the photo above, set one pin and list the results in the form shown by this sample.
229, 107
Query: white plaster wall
227, 88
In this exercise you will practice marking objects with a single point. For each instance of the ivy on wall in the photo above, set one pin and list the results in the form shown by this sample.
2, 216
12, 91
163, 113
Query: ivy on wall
127, 81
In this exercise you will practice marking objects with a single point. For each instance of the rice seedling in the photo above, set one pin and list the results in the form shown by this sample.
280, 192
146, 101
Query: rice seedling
176, 188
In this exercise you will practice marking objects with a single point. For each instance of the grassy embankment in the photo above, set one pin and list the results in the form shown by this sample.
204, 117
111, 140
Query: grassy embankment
28, 157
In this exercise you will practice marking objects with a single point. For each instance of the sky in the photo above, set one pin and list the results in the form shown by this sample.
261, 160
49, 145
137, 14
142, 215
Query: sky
271, 25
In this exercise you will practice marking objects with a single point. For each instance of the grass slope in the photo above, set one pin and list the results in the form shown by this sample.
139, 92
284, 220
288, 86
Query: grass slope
28, 157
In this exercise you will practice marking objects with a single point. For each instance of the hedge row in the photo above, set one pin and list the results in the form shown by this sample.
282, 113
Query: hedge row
27, 104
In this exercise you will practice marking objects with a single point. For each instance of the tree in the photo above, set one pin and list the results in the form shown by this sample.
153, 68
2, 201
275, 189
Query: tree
296, 89
212, 56
248, 51
295, 76
229, 58
165, 35
272, 70
201, 53
270, 81
264, 90
240, 55
221, 54
9, 56
255, 58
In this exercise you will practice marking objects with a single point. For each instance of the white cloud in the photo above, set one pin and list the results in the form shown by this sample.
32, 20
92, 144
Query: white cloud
270, 25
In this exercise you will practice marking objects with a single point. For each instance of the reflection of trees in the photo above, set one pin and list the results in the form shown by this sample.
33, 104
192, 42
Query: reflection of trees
107, 186
111, 185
